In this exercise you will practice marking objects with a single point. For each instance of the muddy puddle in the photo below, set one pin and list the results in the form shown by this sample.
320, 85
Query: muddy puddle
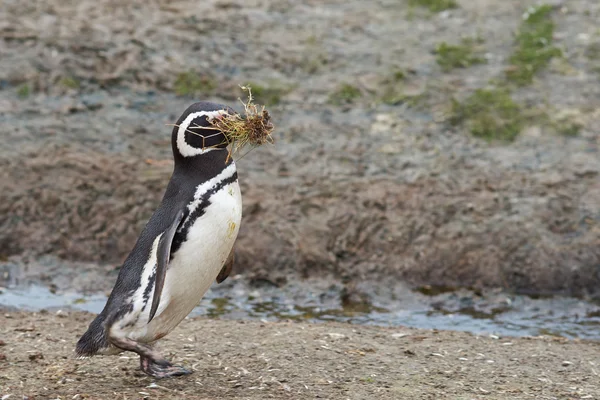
493, 312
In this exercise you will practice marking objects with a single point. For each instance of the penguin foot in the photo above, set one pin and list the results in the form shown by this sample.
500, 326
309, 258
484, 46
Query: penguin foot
161, 368
151, 362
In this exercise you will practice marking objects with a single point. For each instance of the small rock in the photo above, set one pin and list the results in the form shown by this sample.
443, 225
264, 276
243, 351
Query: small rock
36, 356
552, 179
566, 363
2, 357
532, 132
399, 335
336, 336
25, 329
2, 343
584, 37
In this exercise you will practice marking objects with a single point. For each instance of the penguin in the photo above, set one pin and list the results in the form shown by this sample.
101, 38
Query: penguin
185, 246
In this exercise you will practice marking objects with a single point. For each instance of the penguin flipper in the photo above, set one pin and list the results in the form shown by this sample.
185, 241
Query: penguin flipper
162, 261
227, 267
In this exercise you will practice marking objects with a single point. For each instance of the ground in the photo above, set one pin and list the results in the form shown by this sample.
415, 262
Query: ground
430, 142
286, 360
433, 142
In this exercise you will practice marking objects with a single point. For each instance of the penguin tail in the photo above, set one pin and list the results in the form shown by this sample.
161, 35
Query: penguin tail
93, 340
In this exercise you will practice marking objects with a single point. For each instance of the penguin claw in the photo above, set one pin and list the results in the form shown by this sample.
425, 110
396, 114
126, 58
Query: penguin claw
171, 371
161, 368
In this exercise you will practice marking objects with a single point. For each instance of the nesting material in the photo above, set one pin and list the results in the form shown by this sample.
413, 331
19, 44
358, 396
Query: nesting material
252, 129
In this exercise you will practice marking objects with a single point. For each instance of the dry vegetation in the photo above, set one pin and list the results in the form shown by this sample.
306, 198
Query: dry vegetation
254, 128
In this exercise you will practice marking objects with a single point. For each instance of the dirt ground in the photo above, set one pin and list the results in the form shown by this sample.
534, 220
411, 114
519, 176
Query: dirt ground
285, 360
356, 188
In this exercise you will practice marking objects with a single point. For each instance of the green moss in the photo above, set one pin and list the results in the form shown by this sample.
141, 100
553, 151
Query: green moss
23, 91
398, 97
534, 46
393, 88
69, 83
434, 5
190, 83
219, 307
489, 114
393, 97
457, 56
269, 94
398, 75
345, 94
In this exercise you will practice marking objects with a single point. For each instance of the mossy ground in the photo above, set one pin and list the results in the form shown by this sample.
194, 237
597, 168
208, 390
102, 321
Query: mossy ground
449, 56
191, 83
269, 94
393, 92
345, 94
23, 91
534, 49
434, 5
490, 114
69, 82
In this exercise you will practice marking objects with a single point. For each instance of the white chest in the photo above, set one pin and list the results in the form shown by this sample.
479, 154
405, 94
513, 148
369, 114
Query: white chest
196, 264
192, 269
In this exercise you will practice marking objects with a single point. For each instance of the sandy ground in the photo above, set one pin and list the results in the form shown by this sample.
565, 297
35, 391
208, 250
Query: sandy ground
285, 360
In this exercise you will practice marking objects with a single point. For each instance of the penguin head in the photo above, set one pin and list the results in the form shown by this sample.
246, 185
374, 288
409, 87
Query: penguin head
193, 134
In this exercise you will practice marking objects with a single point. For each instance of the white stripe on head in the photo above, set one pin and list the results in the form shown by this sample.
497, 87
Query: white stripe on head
184, 148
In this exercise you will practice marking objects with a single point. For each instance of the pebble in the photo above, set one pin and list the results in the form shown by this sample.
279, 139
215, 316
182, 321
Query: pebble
334, 335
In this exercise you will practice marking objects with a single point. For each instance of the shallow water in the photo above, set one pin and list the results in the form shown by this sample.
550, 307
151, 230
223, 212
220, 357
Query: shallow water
482, 313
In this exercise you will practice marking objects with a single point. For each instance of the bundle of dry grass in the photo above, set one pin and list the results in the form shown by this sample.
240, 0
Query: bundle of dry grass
253, 129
